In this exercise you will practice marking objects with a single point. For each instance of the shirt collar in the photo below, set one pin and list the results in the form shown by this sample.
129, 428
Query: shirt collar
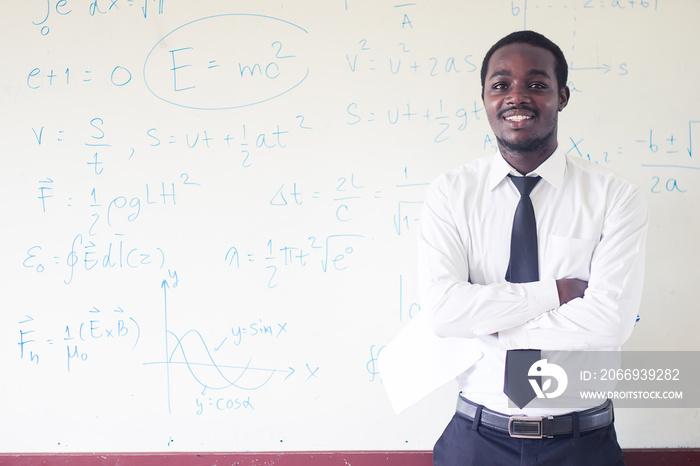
551, 170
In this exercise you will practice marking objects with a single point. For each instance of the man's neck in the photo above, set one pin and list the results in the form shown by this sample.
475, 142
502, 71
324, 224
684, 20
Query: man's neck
526, 162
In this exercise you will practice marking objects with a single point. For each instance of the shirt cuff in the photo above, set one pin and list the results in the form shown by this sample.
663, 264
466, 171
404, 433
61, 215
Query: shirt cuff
513, 338
542, 297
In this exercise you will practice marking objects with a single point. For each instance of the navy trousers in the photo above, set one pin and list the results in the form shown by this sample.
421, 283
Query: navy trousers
463, 444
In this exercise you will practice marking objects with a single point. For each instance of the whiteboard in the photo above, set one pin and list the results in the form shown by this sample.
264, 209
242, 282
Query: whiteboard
209, 208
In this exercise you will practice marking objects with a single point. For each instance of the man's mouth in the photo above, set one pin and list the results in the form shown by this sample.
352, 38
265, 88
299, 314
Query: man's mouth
516, 115
517, 118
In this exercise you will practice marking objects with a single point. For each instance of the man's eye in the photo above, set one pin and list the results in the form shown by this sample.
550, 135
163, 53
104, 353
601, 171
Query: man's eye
499, 86
538, 86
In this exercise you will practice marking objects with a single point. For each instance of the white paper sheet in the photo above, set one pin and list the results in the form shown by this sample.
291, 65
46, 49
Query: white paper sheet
416, 362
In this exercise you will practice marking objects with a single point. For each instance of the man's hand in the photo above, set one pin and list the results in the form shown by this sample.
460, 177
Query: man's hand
570, 288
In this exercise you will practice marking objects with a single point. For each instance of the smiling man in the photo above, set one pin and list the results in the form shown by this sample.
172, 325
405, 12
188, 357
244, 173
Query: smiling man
529, 249
522, 100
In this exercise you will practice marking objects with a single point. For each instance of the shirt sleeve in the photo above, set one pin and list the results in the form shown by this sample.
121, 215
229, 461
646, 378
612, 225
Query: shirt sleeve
458, 307
606, 315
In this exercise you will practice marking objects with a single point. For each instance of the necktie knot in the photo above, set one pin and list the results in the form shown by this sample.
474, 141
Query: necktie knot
525, 184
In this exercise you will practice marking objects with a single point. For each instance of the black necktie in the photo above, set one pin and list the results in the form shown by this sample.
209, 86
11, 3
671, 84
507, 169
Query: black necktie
523, 267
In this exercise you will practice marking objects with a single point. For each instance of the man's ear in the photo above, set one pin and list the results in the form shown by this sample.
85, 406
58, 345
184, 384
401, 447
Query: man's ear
564, 95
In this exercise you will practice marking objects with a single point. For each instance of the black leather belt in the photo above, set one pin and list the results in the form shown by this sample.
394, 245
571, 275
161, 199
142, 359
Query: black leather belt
538, 426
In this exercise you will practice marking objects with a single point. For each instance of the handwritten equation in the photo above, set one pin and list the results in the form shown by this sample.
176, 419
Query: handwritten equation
56, 9
243, 144
225, 364
669, 156
113, 328
242, 63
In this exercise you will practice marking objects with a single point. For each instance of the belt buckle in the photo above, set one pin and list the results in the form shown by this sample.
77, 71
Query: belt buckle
527, 427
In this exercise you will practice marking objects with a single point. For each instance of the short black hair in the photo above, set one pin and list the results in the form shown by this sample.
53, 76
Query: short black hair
561, 68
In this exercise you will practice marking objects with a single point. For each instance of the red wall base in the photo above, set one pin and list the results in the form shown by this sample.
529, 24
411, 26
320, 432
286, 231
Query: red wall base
633, 457
392, 458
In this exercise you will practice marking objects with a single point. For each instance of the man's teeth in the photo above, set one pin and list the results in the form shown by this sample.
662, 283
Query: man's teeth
517, 118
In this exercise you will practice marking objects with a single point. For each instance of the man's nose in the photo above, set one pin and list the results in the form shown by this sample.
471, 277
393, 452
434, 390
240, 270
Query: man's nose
518, 95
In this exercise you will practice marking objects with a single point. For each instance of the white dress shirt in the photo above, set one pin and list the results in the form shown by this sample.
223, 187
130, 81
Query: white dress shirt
591, 225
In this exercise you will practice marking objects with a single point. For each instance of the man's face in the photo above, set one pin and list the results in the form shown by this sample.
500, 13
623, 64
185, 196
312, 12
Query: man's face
522, 99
